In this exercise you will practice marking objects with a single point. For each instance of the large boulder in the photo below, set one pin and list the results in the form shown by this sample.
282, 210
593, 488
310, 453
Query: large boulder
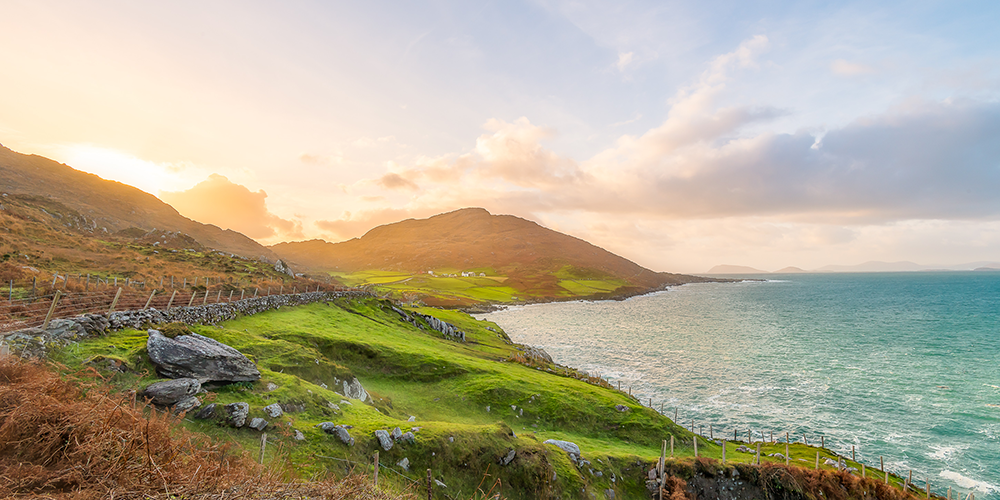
384, 439
197, 356
353, 389
567, 446
168, 392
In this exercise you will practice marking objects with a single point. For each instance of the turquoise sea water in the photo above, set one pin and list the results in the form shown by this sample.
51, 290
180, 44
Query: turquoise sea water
900, 365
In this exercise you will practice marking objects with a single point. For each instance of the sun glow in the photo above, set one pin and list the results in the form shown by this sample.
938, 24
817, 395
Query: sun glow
112, 164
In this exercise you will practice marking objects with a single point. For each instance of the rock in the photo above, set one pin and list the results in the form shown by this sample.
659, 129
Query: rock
354, 390
408, 437
396, 433
439, 483
273, 410
236, 413
168, 392
293, 407
327, 427
271, 386
621, 407
411, 419
609, 494
205, 413
199, 357
332, 406
568, 447
651, 474
451, 439
258, 424
283, 268
384, 439
186, 404
344, 436
404, 463
509, 458
299, 436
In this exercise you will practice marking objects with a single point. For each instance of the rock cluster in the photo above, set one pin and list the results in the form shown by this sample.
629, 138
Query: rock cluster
449, 330
337, 430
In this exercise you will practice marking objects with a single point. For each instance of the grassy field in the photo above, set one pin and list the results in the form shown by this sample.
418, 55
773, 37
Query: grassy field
470, 403
449, 287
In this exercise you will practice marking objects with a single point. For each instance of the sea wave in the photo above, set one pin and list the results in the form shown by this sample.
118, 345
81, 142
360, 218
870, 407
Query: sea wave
968, 482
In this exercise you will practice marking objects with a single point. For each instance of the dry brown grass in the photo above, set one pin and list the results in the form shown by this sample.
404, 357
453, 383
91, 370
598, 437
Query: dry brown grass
65, 438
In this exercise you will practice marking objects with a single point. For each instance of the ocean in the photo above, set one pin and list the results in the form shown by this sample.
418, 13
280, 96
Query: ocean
905, 366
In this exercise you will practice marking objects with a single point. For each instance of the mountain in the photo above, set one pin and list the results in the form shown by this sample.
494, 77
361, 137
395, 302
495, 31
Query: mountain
730, 269
107, 207
530, 256
790, 270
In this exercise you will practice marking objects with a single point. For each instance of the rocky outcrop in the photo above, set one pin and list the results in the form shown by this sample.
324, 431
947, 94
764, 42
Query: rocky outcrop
236, 413
37, 342
273, 410
281, 267
168, 392
447, 329
197, 356
258, 424
354, 390
206, 413
337, 430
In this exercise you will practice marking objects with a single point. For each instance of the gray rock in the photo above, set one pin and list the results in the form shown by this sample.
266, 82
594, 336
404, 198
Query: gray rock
271, 386
439, 483
609, 494
327, 427
273, 410
651, 474
168, 392
283, 268
353, 389
384, 440
205, 413
396, 433
508, 458
236, 413
332, 406
186, 404
344, 436
568, 447
258, 424
199, 357
621, 407
408, 437
299, 436
404, 463
411, 419
293, 407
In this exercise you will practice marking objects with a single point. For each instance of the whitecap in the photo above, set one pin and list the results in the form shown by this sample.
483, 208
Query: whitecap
968, 482
945, 452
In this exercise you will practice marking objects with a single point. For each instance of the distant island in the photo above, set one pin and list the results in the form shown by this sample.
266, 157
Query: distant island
867, 267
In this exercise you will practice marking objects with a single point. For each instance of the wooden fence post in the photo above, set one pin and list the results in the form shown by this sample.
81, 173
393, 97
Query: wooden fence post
263, 444
786, 452
853, 456
149, 300
231, 295
723, 452
817, 460
33, 286
671, 446
696, 447
255, 290
52, 309
376, 469
171, 302
205, 300
822, 441
710, 434
864, 474
218, 297
663, 455
758, 450
114, 302
429, 490
242, 293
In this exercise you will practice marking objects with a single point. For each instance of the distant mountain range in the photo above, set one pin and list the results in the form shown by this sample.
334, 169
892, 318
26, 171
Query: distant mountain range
867, 267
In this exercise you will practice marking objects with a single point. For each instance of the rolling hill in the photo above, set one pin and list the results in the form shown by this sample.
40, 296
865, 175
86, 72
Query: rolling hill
107, 207
532, 259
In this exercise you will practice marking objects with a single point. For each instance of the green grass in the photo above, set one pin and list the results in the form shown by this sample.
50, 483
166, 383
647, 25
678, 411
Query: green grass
446, 385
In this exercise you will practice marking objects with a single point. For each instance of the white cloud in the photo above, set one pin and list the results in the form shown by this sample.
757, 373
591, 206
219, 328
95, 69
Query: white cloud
624, 59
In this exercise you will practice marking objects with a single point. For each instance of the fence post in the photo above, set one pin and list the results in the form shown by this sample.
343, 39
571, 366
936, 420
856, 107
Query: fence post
242, 293
231, 295
671, 446
87, 288
758, 449
723, 452
429, 490
853, 456
33, 278
376, 468
263, 444
786, 452
281, 289
696, 447
218, 296
255, 292
161, 281
171, 299
10, 295
114, 302
149, 300
205, 300
52, 309
817, 460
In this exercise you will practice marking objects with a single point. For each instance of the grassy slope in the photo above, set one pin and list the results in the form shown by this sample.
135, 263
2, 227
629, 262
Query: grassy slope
446, 385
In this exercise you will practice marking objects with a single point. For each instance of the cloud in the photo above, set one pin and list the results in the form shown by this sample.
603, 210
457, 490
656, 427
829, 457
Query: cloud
624, 59
842, 67
396, 181
219, 201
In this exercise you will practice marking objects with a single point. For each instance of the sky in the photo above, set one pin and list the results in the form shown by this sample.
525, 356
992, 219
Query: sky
680, 135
